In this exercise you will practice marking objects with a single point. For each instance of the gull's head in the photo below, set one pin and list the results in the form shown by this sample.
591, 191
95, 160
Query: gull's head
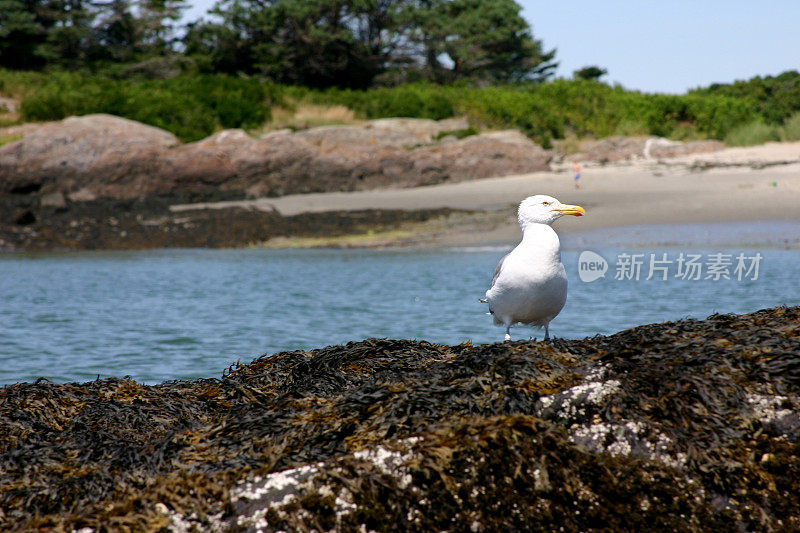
542, 209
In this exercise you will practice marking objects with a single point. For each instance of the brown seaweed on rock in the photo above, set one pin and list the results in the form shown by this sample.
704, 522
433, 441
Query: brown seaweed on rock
689, 426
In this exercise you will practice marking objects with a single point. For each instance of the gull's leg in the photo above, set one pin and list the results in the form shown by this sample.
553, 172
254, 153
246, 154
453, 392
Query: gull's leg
546, 332
508, 333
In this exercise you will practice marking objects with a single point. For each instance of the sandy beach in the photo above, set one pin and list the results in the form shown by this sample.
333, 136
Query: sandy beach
729, 188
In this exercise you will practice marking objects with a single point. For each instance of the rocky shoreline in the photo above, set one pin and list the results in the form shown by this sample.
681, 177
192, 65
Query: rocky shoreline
103, 182
149, 223
689, 426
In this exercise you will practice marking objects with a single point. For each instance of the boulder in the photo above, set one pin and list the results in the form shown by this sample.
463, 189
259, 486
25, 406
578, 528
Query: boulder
614, 149
675, 149
101, 156
499, 153
106, 153
53, 199
387, 132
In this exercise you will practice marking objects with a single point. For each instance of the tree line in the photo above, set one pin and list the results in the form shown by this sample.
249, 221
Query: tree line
312, 43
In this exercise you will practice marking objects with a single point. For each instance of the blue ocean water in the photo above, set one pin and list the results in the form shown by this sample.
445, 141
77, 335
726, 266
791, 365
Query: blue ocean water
181, 314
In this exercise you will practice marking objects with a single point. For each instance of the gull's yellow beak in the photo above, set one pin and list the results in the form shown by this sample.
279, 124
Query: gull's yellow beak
575, 210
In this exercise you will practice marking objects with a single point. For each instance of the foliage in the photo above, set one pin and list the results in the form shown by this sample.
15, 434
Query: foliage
5, 139
316, 43
458, 134
483, 40
551, 110
590, 73
414, 100
775, 98
752, 133
791, 128
80, 33
356, 43
191, 107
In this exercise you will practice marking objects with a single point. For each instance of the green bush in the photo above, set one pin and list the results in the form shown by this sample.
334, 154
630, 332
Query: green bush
415, 101
791, 128
458, 134
752, 133
631, 128
774, 98
191, 107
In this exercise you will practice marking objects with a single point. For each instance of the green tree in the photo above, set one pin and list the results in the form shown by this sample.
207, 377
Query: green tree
482, 40
218, 48
317, 43
20, 33
26, 26
79, 33
593, 73
68, 41
117, 36
350, 43
158, 21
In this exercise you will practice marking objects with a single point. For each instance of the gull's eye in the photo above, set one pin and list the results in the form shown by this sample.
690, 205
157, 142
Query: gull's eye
545, 203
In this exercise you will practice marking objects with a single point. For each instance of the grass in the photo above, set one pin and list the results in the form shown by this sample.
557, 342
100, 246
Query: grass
368, 239
5, 139
308, 115
752, 133
458, 134
791, 128
631, 128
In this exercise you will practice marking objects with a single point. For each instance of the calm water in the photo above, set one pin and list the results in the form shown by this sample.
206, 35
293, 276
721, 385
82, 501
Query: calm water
190, 313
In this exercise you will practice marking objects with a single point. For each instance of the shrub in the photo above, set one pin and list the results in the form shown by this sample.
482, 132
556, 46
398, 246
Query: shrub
791, 128
458, 134
191, 107
774, 98
752, 133
631, 127
414, 101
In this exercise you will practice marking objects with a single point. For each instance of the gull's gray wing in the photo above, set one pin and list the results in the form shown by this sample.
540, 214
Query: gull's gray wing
497, 270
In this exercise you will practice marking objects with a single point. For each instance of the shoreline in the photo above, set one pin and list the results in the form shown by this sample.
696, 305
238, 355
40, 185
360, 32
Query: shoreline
732, 186
735, 185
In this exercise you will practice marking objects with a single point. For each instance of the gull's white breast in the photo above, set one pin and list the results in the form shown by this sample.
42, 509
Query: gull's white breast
531, 286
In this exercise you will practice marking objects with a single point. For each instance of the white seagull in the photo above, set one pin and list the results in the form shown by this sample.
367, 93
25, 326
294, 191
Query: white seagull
530, 283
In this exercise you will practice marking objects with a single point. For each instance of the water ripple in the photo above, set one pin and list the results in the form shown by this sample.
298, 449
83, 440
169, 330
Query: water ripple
183, 314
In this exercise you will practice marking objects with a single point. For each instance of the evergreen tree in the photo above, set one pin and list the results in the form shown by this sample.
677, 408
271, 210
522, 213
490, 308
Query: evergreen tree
68, 41
482, 40
317, 43
158, 20
23, 29
116, 34
591, 72
349, 43
78, 33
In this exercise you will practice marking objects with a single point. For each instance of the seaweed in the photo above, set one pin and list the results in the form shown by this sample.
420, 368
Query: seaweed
691, 425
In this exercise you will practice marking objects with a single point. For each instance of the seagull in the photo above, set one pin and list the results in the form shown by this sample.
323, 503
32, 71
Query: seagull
530, 284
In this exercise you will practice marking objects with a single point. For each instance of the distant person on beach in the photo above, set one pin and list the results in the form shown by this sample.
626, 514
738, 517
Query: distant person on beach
576, 170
